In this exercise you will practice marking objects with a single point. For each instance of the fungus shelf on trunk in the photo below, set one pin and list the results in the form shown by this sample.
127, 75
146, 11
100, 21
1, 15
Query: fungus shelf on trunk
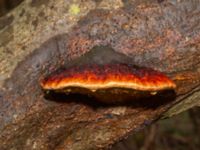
110, 82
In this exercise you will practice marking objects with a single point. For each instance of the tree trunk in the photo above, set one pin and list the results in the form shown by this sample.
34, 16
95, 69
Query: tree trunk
41, 36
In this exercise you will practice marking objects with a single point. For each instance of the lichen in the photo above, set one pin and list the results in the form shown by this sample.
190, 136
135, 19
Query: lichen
74, 9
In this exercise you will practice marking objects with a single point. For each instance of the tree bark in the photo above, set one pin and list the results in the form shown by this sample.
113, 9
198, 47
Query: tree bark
40, 36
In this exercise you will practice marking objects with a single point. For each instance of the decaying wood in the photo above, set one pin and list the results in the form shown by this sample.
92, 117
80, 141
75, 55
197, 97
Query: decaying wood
40, 36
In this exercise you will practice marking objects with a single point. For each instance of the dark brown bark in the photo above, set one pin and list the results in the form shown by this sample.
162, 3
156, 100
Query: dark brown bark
163, 35
7, 5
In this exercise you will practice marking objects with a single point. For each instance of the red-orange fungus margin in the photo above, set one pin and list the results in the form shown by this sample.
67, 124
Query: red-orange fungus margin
95, 77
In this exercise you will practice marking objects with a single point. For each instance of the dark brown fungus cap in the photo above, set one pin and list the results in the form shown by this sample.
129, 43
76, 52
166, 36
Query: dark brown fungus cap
108, 81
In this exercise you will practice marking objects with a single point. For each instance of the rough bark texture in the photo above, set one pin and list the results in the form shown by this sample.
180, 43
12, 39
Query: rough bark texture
40, 36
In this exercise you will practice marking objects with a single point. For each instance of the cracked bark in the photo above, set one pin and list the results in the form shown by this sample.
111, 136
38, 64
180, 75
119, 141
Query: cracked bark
38, 37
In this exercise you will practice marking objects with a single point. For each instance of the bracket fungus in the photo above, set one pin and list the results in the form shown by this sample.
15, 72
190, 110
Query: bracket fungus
110, 82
